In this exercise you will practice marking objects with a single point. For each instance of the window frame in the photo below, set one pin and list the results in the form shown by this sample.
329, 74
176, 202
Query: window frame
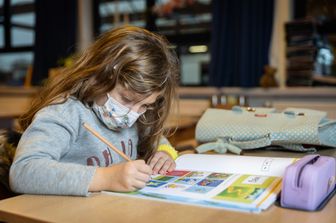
7, 11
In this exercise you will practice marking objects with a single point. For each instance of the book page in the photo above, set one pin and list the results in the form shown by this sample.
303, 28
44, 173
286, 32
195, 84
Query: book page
241, 183
267, 166
220, 190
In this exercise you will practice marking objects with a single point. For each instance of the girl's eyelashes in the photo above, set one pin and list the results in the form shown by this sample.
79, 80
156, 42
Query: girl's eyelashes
126, 100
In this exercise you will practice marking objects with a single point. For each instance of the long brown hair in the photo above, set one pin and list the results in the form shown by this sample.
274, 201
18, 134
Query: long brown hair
137, 59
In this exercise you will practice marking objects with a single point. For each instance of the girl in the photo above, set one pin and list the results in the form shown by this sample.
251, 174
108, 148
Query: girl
123, 87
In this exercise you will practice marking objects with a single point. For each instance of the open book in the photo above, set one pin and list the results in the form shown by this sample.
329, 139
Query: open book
243, 183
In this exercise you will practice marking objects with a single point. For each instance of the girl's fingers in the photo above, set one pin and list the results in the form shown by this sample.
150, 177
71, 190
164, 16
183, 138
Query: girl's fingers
153, 160
142, 177
157, 167
165, 167
138, 184
172, 166
145, 169
161, 162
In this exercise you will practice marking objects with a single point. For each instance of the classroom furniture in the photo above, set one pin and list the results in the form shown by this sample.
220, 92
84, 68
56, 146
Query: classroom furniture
181, 129
100, 207
302, 46
13, 102
321, 98
193, 101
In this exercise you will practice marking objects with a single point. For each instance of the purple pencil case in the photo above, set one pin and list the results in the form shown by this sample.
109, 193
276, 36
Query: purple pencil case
308, 182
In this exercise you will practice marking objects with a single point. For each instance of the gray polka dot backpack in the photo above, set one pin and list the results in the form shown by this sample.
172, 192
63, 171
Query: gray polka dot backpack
243, 128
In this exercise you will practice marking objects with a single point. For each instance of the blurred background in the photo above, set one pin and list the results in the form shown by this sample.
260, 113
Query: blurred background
236, 43
257, 53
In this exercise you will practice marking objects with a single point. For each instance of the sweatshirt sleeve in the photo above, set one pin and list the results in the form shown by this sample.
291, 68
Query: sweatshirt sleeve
36, 168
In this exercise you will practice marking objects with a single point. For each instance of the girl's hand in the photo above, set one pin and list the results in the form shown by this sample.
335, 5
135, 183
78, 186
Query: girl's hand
161, 162
122, 177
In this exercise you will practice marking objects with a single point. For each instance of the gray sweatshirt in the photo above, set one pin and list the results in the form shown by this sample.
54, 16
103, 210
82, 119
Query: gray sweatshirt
56, 155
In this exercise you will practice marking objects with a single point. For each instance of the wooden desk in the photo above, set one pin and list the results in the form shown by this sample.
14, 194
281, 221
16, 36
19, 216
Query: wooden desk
13, 107
15, 100
183, 128
100, 207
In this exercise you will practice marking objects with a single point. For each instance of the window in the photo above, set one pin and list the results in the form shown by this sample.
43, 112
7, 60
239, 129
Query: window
17, 21
186, 26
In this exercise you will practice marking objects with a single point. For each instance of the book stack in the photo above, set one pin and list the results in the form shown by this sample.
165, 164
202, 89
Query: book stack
302, 40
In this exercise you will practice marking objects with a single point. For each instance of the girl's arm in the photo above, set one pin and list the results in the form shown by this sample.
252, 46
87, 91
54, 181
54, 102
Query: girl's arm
37, 169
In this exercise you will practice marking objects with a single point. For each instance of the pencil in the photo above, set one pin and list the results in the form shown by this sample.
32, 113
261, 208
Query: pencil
123, 155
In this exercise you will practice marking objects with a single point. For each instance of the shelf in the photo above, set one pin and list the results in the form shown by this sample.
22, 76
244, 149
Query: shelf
320, 80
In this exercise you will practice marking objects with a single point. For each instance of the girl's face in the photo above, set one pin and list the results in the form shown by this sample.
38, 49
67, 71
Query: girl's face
129, 99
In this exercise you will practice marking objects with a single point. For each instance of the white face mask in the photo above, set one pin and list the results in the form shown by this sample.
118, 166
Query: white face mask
115, 115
